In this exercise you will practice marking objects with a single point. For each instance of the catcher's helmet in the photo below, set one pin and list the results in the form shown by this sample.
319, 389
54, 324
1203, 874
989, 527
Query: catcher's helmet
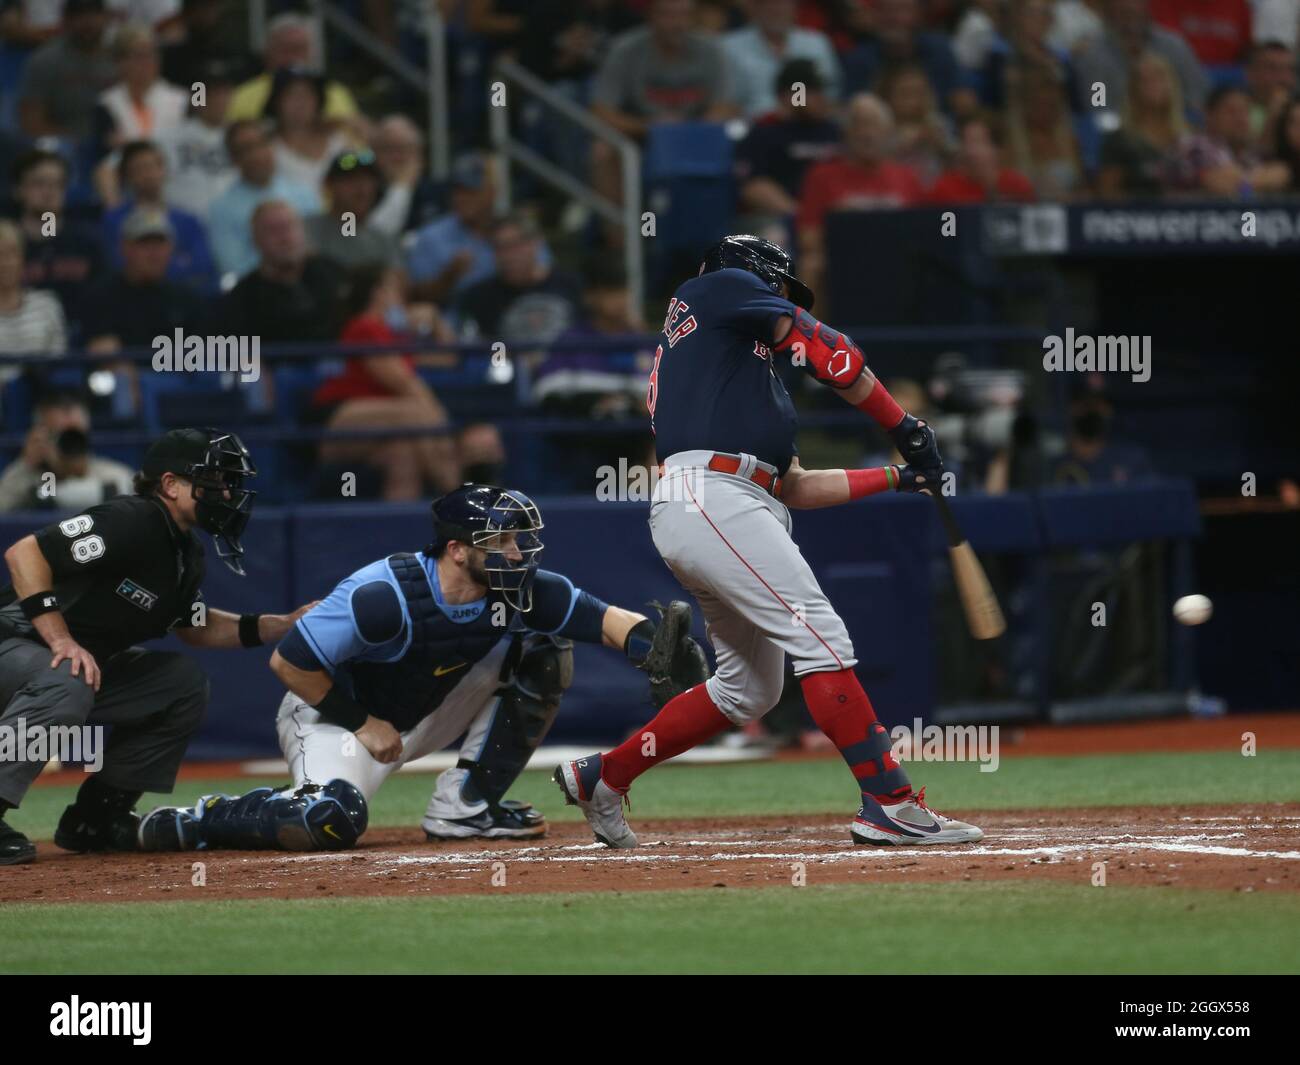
767, 261
483, 516
217, 464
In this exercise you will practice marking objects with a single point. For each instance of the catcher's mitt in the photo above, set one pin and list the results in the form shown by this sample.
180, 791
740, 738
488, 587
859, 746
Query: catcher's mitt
675, 662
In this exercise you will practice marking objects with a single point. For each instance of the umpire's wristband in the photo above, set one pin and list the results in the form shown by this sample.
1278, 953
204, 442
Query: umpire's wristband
40, 603
248, 634
338, 708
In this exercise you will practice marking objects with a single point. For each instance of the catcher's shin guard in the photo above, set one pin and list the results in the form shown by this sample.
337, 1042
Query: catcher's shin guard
315, 817
529, 703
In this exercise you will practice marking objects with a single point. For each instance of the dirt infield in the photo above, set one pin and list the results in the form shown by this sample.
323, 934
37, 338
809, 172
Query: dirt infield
1246, 848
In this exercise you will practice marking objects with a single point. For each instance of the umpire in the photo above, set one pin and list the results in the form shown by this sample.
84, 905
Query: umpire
83, 592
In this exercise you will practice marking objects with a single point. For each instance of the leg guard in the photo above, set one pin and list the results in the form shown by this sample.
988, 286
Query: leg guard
314, 817
529, 703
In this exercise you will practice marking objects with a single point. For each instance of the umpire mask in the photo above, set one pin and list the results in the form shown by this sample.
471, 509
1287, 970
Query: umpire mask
217, 464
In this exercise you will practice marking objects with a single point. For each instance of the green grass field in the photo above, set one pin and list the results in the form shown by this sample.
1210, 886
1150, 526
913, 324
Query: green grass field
1006, 926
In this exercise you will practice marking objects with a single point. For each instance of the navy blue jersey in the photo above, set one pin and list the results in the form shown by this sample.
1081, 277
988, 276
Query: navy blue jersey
713, 387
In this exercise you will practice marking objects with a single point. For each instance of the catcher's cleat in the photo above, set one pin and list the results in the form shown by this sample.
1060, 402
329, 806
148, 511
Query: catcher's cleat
509, 820
15, 848
169, 828
600, 804
908, 822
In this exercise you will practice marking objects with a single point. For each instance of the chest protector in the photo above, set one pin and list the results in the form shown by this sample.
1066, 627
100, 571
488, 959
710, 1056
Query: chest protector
440, 654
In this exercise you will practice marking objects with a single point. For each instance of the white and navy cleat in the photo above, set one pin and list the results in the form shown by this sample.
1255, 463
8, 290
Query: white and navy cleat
509, 820
908, 822
600, 804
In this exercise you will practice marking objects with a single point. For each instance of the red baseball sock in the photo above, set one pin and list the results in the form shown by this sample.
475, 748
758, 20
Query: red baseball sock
842, 711
683, 723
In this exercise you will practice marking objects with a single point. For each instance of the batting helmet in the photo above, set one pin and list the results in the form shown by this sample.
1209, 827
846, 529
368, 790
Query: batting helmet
485, 516
767, 261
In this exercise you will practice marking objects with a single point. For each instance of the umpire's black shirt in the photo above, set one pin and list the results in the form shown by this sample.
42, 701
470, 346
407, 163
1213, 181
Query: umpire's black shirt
123, 572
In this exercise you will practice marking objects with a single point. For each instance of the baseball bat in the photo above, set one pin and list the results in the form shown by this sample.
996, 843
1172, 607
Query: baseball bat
980, 605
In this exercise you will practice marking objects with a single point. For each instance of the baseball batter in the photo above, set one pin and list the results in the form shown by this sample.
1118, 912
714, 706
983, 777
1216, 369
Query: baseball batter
720, 517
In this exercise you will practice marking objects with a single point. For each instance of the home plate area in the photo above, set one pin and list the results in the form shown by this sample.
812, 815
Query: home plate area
1248, 848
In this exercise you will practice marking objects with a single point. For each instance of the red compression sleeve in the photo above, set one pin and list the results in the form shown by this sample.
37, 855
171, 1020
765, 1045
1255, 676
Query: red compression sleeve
880, 405
869, 482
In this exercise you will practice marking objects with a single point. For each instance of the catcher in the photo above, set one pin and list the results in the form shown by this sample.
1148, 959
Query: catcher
465, 638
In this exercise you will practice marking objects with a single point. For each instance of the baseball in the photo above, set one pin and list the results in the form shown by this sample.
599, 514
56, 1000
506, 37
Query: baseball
1193, 610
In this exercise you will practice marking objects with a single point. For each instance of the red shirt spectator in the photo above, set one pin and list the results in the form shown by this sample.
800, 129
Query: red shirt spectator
356, 382
954, 187
979, 176
845, 184
1217, 30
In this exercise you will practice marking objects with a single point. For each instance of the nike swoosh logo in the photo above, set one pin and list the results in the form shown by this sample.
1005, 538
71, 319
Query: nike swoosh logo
441, 671
329, 831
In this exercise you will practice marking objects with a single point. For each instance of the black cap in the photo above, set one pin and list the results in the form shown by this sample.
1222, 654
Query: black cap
177, 451
82, 7
803, 71
353, 161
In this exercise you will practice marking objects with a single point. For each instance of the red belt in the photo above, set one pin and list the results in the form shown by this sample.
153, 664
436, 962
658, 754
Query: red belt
769, 482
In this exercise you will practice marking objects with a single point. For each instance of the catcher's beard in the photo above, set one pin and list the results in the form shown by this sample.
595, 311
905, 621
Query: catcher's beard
478, 573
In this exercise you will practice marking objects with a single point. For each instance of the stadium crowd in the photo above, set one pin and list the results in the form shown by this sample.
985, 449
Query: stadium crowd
156, 175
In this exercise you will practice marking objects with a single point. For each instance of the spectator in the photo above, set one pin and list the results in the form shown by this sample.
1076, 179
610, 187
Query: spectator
292, 295
137, 303
1270, 80
385, 391
1286, 144
756, 53
63, 254
922, 136
1040, 134
979, 176
411, 199
140, 104
345, 232
290, 42
1092, 457
563, 40
1135, 158
143, 178
1129, 31
980, 33
599, 382
1277, 20
26, 26
774, 156
662, 72
1074, 24
258, 182
527, 303
1217, 30
898, 38
863, 177
1224, 160
63, 78
448, 256
58, 444
1029, 41
305, 144
31, 322
199, 169
199, 42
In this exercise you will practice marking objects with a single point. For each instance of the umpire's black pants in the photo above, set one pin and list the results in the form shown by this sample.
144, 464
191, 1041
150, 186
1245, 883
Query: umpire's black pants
153, 701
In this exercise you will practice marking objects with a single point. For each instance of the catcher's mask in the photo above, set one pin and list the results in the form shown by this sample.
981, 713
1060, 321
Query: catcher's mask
505, 525
217, 465
769, 262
